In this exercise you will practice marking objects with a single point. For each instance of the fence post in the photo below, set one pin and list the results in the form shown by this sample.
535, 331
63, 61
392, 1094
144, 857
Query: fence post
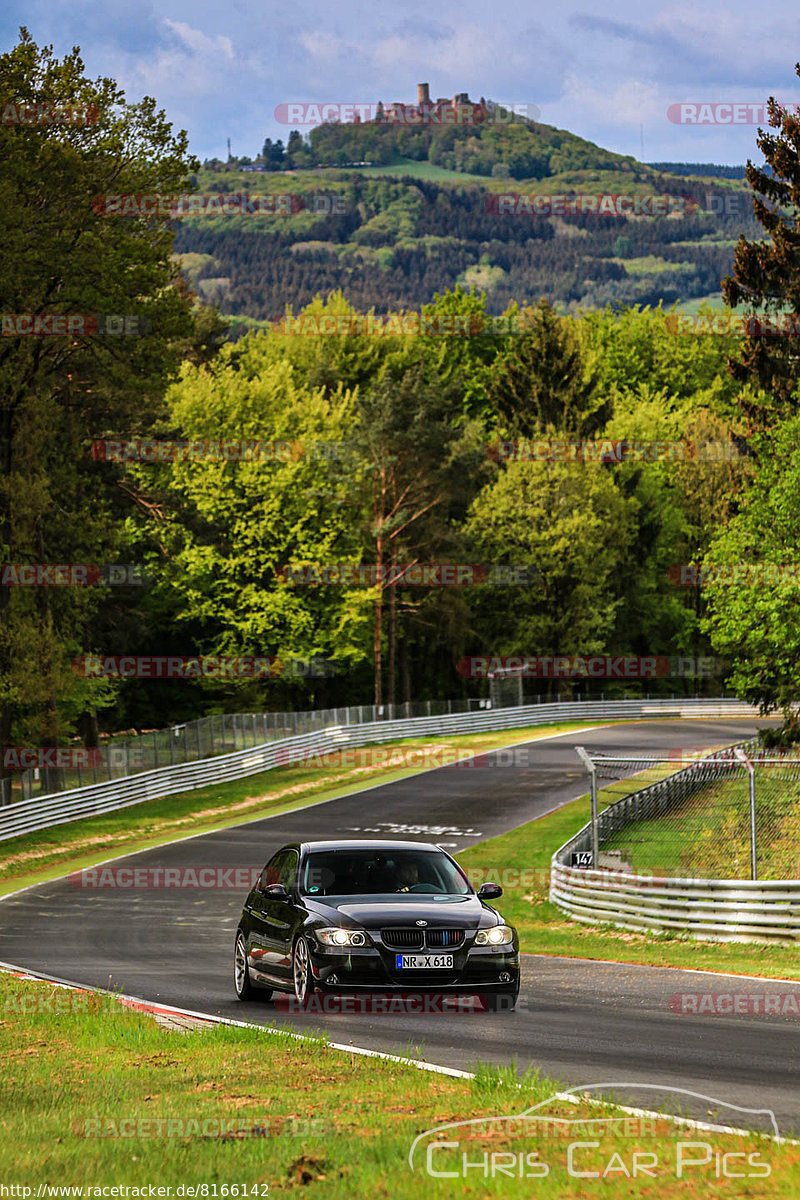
590, 767
740, 754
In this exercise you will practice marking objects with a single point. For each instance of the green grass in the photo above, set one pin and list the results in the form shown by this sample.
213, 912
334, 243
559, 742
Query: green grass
651, 264
49, 853
408, 168
482, 276
97, 1095
708, 835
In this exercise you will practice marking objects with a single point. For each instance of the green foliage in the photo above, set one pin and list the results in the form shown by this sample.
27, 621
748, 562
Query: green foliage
757, 621
540, 384
528, 149
64, 255
576, 529
765, 270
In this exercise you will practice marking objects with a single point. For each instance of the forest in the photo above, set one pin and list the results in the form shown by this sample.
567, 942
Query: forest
397, 242
171, 491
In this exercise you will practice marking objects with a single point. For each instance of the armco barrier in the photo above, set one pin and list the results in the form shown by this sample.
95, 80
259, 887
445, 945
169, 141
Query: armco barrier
713, 909
43, 812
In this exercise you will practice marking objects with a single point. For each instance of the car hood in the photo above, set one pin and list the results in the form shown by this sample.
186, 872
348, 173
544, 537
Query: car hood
455, 912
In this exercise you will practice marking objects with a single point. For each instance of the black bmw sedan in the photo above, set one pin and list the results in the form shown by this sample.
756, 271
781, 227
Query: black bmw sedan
373, 915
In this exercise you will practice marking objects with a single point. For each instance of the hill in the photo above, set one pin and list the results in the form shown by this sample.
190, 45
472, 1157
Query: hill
518, 209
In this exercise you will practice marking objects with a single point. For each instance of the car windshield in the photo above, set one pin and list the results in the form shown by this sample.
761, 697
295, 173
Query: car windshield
381, 872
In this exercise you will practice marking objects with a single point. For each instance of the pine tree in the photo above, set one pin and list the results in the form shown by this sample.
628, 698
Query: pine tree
766, 273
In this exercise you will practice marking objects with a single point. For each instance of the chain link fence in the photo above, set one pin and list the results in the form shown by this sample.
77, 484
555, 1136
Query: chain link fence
208, 737
734, 814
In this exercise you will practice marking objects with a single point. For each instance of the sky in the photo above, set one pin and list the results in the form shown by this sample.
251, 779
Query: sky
607, 73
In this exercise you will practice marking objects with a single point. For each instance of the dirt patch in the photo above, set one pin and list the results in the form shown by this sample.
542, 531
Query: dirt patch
305, 1169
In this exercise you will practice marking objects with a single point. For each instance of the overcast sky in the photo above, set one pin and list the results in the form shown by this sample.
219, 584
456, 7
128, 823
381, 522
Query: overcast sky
220, 69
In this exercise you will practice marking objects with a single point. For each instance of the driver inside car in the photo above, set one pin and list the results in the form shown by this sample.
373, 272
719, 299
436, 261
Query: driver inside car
407, 876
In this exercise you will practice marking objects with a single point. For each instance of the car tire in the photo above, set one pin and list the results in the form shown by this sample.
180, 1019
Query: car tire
500, 1001
241, 973
302, 977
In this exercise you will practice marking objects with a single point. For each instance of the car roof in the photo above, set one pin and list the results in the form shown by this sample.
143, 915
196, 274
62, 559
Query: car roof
367, 844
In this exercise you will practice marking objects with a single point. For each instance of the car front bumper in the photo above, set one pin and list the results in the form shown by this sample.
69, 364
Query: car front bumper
475, 970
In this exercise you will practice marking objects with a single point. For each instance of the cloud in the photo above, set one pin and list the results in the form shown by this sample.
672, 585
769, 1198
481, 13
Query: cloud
199, 42
630, 102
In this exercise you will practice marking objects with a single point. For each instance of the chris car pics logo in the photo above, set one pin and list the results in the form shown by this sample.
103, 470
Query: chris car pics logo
632, 1143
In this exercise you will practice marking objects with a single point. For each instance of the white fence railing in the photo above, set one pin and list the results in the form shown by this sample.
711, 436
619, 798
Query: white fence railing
714, 909
43, 812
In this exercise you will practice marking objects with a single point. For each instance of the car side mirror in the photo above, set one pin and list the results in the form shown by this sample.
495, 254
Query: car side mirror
276, 891
490, 891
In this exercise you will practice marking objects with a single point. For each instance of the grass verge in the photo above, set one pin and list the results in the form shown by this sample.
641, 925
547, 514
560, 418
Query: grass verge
98, 1096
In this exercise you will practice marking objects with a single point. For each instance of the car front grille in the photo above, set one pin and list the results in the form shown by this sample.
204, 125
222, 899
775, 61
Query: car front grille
444, 939
402, 939
412, 939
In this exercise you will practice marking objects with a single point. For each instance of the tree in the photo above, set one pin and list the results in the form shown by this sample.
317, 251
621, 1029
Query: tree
66, 253
273, 154
766, 273
219, 533
755, 618
573, 528
541, 384
295, 148
413, 452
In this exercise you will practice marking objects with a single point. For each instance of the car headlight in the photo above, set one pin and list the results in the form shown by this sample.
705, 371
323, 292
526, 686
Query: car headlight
342, 937
499, 935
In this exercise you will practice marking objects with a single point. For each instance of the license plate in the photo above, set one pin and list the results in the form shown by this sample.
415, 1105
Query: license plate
424, 962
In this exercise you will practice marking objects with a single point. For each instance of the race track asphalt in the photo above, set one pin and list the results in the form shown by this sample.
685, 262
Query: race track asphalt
579, 1021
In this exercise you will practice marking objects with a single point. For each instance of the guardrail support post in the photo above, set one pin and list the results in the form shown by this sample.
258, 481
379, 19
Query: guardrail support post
740, 754
590, 767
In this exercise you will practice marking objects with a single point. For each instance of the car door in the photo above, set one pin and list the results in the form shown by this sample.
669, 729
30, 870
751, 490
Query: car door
280, 917
262, 949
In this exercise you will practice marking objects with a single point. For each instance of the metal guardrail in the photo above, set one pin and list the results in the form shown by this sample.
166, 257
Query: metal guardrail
45, 811
207, 737
714, 909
